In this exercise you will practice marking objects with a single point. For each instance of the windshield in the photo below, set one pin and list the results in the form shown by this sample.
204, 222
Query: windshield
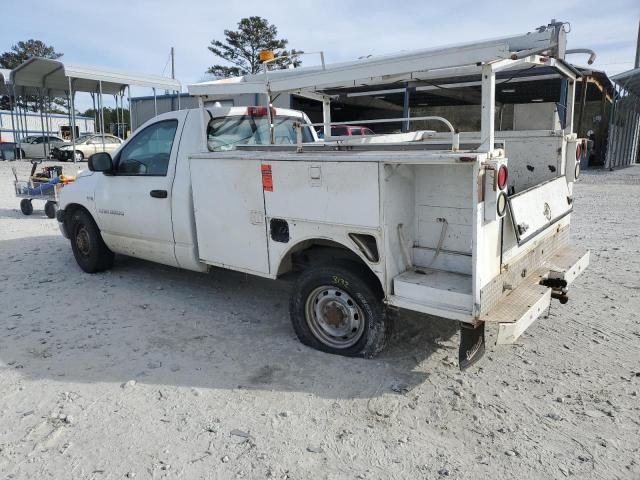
224, 133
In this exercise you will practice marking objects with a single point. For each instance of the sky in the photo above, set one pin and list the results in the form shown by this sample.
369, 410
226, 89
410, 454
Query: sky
136, 35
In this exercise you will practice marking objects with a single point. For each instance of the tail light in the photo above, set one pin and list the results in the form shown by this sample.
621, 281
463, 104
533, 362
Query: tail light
578, 152
495, 191
503, 176
260, 111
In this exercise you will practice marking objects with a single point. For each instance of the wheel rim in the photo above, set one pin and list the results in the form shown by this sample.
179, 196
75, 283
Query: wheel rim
334, 317
83, 241
78, 156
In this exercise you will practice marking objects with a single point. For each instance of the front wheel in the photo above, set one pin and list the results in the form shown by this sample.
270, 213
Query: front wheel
89, 250
78, 156
337, 309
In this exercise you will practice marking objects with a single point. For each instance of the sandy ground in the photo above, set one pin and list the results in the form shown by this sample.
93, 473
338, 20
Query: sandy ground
151, 372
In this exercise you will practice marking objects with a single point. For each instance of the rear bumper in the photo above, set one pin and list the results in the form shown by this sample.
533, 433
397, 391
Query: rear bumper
515, 312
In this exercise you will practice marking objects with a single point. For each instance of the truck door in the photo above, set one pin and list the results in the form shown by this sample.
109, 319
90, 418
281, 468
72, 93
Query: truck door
230, 216
134, 203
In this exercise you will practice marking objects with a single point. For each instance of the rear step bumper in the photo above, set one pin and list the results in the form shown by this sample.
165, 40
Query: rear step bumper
520, 308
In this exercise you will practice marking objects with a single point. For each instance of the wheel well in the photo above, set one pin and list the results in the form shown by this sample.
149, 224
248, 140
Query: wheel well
321, 251
70, 210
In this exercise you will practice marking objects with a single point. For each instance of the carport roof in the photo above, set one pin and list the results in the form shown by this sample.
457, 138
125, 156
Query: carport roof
53, 76
629, 80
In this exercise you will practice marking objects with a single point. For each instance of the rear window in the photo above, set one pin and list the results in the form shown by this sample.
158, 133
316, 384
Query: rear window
225, 133
338, 131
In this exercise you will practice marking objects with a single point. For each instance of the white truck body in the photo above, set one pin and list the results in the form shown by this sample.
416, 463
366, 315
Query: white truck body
424, 218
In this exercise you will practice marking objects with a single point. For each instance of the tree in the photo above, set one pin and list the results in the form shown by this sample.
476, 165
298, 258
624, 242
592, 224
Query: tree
111, 118
21, 52
242, 47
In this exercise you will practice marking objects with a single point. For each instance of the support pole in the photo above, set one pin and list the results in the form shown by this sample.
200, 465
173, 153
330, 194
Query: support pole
405, 109
48, 120
19, 121
583, 103
117, 116
487, 125
101, 114
173, 72
13, 124
95, 112
44, 137
129, 105
73, 120
326, 117
155, 103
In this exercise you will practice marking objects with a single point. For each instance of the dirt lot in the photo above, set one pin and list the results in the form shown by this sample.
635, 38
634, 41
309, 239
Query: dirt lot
151, 372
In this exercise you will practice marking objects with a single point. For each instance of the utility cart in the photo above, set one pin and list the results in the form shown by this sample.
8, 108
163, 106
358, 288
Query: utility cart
44, 186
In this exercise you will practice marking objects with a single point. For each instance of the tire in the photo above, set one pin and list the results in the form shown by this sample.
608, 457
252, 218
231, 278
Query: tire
354, 322
50, 209
78, 156
89, 249
26, 206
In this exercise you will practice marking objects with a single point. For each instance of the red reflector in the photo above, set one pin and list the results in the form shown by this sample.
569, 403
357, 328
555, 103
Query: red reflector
260, 111
503, 175
578, 152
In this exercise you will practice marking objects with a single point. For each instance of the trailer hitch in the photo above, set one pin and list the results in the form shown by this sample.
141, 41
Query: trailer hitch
472, 344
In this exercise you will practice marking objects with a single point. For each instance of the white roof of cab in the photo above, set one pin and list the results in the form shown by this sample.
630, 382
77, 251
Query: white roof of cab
53, 75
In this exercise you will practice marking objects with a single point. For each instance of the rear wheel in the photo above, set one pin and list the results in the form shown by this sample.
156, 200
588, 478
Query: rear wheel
89, 249
50, 209
26, 206
337, 308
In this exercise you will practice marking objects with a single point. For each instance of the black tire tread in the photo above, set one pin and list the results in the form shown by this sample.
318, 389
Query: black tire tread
363, 287
102, 258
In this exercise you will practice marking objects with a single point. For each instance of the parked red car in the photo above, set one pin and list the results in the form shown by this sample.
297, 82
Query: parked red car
350, 130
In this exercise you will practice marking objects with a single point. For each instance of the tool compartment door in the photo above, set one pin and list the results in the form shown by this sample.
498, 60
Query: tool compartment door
535, 209
229, 212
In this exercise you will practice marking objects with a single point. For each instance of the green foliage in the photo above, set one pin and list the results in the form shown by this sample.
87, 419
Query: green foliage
18, 54
241, 48
23, 51
110, 116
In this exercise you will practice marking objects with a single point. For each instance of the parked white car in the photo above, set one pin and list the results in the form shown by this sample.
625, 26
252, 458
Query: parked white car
36, 146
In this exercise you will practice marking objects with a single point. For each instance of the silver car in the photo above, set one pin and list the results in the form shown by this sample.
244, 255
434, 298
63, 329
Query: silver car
34, 146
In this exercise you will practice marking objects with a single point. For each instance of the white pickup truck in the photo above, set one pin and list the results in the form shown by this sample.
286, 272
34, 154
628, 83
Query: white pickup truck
445, 224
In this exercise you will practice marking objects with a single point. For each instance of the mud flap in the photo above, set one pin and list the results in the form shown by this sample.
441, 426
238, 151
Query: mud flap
471, 344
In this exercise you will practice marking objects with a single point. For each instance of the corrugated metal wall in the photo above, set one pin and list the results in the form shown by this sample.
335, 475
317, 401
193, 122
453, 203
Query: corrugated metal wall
624, 131
34, 125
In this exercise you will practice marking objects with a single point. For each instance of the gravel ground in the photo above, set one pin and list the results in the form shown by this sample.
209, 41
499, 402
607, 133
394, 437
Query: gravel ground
151, 372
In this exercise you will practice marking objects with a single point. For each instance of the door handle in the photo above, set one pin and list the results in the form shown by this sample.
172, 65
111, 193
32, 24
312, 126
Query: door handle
158, 193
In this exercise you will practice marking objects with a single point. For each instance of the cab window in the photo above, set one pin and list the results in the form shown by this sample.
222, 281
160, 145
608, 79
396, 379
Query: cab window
148, 153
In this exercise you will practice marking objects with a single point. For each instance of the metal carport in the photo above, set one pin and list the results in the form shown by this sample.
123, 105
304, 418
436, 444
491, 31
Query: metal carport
46, 78
624, 125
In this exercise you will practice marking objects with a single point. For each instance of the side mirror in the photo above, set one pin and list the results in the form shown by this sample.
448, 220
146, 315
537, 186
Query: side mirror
100, 162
